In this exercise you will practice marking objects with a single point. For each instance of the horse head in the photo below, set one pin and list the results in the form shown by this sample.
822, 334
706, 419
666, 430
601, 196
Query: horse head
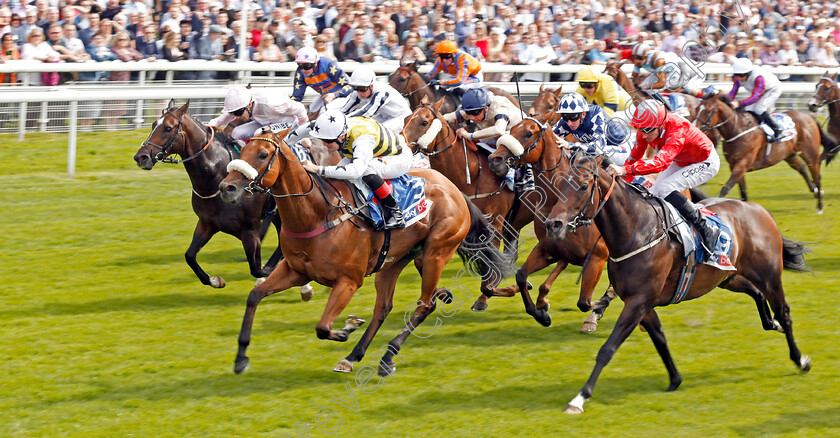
426, 131
544, 107
163, 140
406, 80
524, 145
827, 92
581, 193
259, 167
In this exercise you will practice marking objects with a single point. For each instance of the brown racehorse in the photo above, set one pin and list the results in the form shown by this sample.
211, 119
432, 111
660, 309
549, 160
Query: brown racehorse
646, 274
323, 241
828, 93
429, 134
745, 145
544, 106
206, 156
583, 248
414, 87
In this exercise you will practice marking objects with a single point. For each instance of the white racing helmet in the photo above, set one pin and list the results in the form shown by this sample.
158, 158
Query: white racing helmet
742, 66
307, 55
329, 125
237, 97
362, 77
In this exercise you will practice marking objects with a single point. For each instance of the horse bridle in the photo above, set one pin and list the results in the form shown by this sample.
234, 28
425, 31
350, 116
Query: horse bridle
832, 86
423, 151
511, 160
163, 155
707, 125
410, 93
579, 220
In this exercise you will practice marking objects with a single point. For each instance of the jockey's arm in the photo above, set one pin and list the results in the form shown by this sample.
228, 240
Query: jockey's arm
298, 134
222, 121
455, 117
377, 101
493, 131
661, 76
362, 156
663, 158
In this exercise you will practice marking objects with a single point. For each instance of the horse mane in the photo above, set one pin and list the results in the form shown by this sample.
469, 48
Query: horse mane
724, 98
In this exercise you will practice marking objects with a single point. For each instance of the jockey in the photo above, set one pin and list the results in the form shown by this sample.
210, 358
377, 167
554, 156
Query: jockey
371, 152
258, 108
464, 71
685, 157
669, 72
764, 87
376, 100
493, 116
590, 125
323, 75
602, 90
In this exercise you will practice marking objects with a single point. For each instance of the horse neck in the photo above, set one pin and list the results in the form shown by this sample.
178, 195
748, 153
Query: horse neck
736, 122
834, 107
207, 169
625, 222
453, 162
299, 214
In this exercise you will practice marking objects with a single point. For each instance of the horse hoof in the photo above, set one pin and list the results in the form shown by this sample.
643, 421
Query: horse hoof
573, 410
805, 364
345, 366
217, 282
589, 327
353, 322
544, 308
241, 365
479, 306
820, 211
542, 317
445, 295
259, 281
386, 370
306, 292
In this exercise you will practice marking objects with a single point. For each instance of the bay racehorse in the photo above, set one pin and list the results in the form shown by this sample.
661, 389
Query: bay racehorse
323, 240
544, 107
537, 145
647, 264
461, 162
828, 94
414, 87
746, 149
206, 155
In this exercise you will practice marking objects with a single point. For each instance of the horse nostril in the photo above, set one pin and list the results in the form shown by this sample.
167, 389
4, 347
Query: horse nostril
230, 188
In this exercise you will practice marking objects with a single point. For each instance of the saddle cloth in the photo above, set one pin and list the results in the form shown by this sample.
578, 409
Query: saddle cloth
677, 102
785, 122
691, 240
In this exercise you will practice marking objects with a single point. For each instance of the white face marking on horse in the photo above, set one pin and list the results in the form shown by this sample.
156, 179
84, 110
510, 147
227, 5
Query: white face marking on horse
426, 139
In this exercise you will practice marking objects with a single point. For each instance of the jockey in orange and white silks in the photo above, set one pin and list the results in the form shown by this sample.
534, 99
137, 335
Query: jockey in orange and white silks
462, 69
322, 75
764, 87
685, 159
258, 108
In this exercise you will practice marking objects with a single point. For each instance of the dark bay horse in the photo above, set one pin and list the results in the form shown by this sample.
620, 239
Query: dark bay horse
461, 162
648, 264
414, 87
206, 156
323, 241
745, 145
828, 93
583, 248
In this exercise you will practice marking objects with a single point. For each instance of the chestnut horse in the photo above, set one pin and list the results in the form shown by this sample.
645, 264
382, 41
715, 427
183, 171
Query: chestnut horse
459, 160
325, 241
207, 155
745, 145
828, 93
583, 248
646, 274
414, 87
544, 106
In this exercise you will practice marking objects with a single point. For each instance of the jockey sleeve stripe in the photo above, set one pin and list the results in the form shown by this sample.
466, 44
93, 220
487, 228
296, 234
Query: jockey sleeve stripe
502, 117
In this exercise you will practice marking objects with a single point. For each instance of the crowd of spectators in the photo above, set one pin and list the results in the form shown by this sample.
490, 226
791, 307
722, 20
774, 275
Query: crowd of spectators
781, 32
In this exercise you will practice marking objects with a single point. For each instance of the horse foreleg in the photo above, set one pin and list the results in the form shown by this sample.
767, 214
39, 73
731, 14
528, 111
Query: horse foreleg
545, 287
635, 308
653, 326
251, 243
386, 281
340, 295
538, 259
737, 176
202, 234
281, 279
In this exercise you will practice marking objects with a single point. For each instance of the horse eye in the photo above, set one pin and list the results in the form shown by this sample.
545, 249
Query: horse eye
263, 155
167, 129
583, 187
424, 123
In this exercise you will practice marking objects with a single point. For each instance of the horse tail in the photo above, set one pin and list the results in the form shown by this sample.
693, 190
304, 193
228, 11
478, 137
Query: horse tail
830, 146
479, 253
793, 255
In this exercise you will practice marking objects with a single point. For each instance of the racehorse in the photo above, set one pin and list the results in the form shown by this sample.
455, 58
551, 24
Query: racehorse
428, 133
544, 106
324, 241
414, 87
746, 149
208, 153
828, 93
583, 248
638, 94
647, 265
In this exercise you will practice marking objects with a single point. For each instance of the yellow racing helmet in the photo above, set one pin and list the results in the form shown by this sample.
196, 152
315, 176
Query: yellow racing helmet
586, 74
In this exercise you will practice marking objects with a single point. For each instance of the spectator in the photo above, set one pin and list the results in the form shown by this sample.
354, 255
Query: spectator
122, 50
267, 51
55, 39
537, 51
505, 56
37, 49
301, 38
409, 52
768, 55
9, 52
357, 50
482, 40
188, 37
5, 20
98, 51
388, 49
111, 10
172, 52
325, 50
86, 33
18, 28
146, 43
470, 48
674, 41
22, 32
596, 55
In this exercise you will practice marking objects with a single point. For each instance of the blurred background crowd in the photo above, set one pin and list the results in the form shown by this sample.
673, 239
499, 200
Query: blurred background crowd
782, 32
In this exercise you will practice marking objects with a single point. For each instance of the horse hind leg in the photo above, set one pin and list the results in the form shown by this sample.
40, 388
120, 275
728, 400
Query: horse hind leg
771, 286
738, 283
797, 163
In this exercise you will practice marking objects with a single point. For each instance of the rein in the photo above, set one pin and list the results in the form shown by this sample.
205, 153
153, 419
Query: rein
832, 86
163, 155
410, 93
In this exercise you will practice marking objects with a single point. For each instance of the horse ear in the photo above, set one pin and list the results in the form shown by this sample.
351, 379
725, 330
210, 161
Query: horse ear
542, 87
412, 66
424, 100
437, 106
171, 104
183, 110
558, 92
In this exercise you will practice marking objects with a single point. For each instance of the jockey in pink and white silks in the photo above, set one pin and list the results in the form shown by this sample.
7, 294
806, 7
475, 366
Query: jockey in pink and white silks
258, 108
764, 87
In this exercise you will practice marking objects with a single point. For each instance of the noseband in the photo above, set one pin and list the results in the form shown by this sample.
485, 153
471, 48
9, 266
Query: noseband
579, 220
832, 87
256, 184
408, 84
512, 159
451, 133
707, 125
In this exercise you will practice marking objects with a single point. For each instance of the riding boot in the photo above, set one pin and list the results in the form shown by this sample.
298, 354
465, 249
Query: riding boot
768, 120
664, 101
525, 182
392, 214
692, 213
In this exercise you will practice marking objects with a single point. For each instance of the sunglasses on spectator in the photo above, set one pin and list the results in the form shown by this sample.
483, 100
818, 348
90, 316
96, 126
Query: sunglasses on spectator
238, 112
361, 89
445, 55
588, 84
648, 130
571, 117
474, 112
307, 66
15, 19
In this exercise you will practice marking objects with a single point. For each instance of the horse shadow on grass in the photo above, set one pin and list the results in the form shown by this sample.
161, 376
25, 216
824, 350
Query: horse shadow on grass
793, 423
148, 303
